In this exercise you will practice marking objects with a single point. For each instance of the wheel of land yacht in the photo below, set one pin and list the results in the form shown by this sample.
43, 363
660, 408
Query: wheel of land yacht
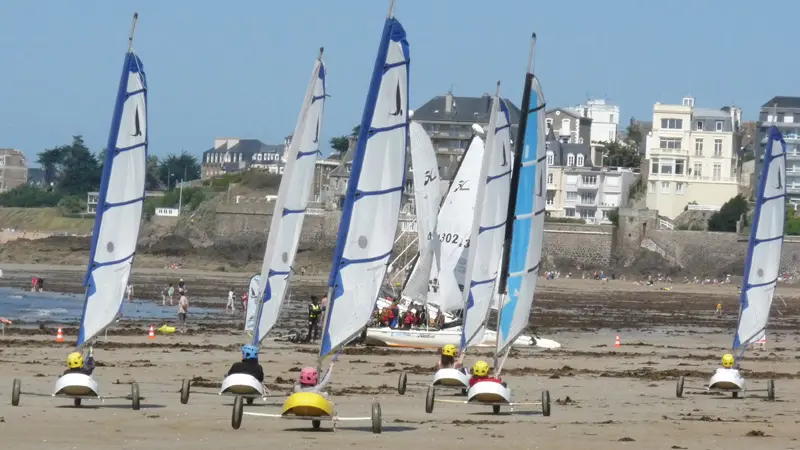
76, 402
496, 409
293, 335
401, 383
316, 424
135, 400
679, 387
250, 401
185, 389
376, 418
546, 403
771, 390
430, 396
16, 391
238, 409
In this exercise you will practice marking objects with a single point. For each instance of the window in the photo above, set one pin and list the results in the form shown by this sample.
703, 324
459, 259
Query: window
698, 170
699, 125
572, 196
654, 166
589, 180
551, 198
580, 160
564, 126
665, 187
652, 188
719, 125
666, 167
549, 178
688, 101
551, 157
698, 147
569, 212
781, 116
587, 199
611, 200
611, 118
679, 166
672, 124
570, 159
717, 171
670, 143
547, 147
679, 188
717, 147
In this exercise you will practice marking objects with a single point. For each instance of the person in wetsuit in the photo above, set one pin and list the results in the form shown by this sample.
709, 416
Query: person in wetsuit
249, 363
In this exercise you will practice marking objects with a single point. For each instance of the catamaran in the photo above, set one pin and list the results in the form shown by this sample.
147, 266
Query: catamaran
116, 226
369, 221
761, 270
269, 288
521, 251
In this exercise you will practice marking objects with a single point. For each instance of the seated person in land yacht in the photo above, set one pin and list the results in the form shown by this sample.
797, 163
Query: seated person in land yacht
480, 372
75, 364
309, 380
249, 363
728, 362
448, 358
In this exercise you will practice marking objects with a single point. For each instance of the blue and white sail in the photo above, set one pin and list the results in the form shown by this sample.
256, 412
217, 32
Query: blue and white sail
488, 225
290, 207
766, 240
374, 193
119, 205
251, 308
427, 199
527, 211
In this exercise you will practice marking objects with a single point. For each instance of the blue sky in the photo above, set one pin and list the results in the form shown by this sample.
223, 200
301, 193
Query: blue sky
240, 68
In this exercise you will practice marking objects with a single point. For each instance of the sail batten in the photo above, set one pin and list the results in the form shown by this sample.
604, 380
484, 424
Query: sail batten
762, 265
374, 193
120, 204
290, 208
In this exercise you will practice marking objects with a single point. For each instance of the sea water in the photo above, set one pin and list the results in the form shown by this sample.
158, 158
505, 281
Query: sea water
51, 307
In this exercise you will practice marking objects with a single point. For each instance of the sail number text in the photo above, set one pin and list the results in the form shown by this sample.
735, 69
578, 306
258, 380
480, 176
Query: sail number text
451, 238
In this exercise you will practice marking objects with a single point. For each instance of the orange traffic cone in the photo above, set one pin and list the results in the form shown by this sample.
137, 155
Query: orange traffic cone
616, 342
59, 335
152, 334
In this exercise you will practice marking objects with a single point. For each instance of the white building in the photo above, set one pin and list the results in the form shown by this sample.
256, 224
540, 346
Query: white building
605, 119
692, 157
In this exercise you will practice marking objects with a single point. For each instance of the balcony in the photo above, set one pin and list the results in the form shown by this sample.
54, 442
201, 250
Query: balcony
450, 134
668, 151
584, 201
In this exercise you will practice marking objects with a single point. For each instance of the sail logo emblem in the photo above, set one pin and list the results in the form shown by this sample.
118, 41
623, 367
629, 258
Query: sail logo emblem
429, 176
316, 136
505, 158
462, 186
398, 102
136, 126
780, 184
433, 285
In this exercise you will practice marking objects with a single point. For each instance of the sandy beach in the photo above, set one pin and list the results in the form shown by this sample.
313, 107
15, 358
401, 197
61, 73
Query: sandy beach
603, 397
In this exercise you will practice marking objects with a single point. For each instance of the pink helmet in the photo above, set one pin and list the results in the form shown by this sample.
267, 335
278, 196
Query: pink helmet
309, 376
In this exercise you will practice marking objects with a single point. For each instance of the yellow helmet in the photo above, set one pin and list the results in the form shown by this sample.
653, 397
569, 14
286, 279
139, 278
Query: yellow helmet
727, 361
480, 369
75, 360
449, 350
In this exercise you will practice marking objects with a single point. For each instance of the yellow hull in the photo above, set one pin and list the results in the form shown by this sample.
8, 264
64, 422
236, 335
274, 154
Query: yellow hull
307, 404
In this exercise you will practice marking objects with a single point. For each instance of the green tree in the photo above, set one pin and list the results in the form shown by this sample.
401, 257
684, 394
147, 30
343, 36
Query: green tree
634, 135
27, 196
725, 219
151, 181
81, 172
792, 221
51, 161
619, 154
339, 144
174, 167
613, 217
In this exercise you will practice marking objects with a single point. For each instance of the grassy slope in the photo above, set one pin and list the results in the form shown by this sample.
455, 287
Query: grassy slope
42, 219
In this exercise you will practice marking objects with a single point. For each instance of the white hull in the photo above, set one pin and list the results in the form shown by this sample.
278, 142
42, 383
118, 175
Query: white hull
489, 392
727, 380
439, 338
77, 384
451, 378
241, 384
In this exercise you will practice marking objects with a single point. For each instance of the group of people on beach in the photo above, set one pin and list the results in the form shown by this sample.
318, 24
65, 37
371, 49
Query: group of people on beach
168, 295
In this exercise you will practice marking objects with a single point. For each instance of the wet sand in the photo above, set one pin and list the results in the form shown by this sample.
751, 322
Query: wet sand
603, 397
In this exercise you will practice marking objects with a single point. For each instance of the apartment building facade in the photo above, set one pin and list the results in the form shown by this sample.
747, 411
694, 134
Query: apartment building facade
784, 113
231, 155
693, 156
605, 119
567, 126
13, 169
579, 187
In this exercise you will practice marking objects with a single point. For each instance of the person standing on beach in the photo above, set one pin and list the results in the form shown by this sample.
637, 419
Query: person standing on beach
164, 291
183, 309
314, 313
181, 287
170, 293
130, 291
231, 305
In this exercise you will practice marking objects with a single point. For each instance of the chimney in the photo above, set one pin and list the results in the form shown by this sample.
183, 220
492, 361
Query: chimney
448, 102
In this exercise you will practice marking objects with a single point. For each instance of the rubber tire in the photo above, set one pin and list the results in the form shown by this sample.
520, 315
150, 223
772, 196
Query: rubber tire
293, 335
316, 424
250, 401
76, 402
377, 424
735, 394
496, 409
679, 387
464, 392
185, 390
546, 403
16, 390
402, 381
430, 397
771, 390
238, 410
135, 400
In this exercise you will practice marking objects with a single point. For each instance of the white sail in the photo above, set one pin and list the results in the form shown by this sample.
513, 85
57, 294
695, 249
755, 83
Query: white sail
253, 294
525, 252
119, 206
766, 241
488, 225
290, 207
427, 198
374, 192
454, 226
